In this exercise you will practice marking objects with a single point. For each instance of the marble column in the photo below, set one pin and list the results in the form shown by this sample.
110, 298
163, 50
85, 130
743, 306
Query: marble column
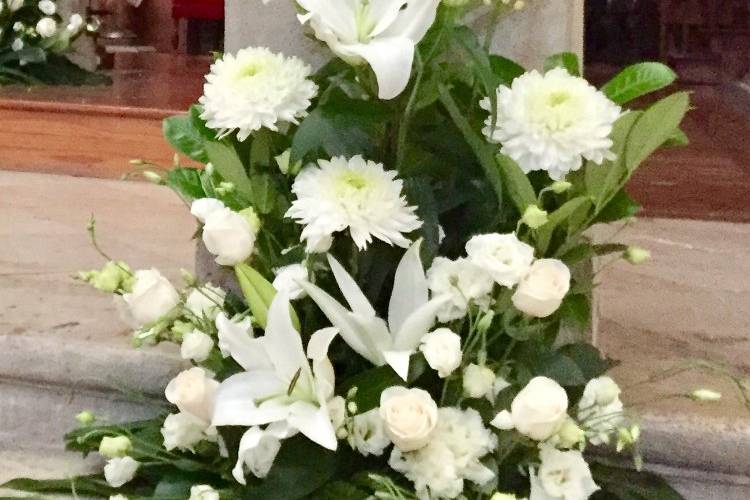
542, 28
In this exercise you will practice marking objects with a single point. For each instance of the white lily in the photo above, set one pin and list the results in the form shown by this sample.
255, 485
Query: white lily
279, 386
410, 313
382, 33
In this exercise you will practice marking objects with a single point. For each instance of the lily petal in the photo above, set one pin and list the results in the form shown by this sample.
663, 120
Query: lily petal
391, 59
320, 341
384, 12
236, 396
418, 324
414, 21
399, 361
282, 342
349, 288
235, 340
338, 15
409, 288
314, 423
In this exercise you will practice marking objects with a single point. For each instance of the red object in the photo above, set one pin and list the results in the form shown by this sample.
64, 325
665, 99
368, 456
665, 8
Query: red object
198, 9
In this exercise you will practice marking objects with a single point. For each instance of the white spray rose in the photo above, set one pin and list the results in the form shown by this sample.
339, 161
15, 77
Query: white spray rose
288, 278
368, 435
206, 301
541, 292
119, 471
75, 23
14, 5
196, 346
153, 296
478, 381
203, 492
47, 7
462, 282
229, 236
442, 350
410, 416
563, 475
193, 391
46, 27
183, 431
600, 408
538, 411
506, 258
202, 208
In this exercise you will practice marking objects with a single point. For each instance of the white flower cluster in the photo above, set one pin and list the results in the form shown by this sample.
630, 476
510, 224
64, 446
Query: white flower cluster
498, 259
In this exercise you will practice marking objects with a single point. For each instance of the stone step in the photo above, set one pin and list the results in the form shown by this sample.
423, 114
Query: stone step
63, 349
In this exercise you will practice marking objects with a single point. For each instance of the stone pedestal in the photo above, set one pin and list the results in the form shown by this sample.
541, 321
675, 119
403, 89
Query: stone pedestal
542, 28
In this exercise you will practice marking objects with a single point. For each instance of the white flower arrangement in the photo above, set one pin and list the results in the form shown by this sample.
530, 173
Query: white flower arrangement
394, 283
34, 39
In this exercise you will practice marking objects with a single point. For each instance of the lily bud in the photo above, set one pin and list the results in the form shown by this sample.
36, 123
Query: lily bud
559, 187
534, 217
114, 447
637, 255
152, 176
85, 417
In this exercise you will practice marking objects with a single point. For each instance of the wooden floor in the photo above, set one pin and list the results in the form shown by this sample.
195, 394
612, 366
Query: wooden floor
96, 131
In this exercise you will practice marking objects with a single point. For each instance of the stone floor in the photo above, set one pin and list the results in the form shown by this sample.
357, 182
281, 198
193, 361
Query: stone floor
691, 301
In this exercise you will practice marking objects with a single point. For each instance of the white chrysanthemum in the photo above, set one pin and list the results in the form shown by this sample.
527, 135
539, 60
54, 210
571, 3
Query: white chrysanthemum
253, 89
439, 469
552, 122
357, 194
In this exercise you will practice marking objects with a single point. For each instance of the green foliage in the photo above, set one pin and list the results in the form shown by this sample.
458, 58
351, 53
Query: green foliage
566, 60
259, 293
625, 484
520, 190
638, 80
187, 182
187, 134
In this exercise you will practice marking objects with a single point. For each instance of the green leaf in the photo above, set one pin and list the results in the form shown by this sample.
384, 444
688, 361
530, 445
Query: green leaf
588, 359
300, 468
655, 127
576, 311
341, 126
89, 485
264, 193
638, 80
625, 484
677, 139
482, 150
543, 235
340, 490
180, 132
621, 206
370, 384
602, 179
59, 70
567, 60
609, 248
187, 182
505, 70
227, 163
259, 293
261, 150
519, 187
577, 254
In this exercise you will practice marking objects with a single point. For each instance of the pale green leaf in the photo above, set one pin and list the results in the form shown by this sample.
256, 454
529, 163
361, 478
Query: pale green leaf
638, 80
519, 187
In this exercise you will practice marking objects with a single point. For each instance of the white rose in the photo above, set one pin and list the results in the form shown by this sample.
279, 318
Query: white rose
206, 301
46, 27
442, 350
368, 435
540, 409
410, 416
75, 23
542, 290
119, 471
204, 207
193, 391
288, 278
196, 345
14, 5
47, 7
203, 492
183, 431
478, 381
563, 475
229, 236
462, 282
600, 408
153, 296
17, 45
506, 258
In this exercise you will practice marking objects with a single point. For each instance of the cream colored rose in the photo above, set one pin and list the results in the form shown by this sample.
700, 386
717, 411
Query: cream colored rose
410, 416
152, 297
193, 391
442, 350
196, 346
502, 256
540, 409
541, 291
229, 236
